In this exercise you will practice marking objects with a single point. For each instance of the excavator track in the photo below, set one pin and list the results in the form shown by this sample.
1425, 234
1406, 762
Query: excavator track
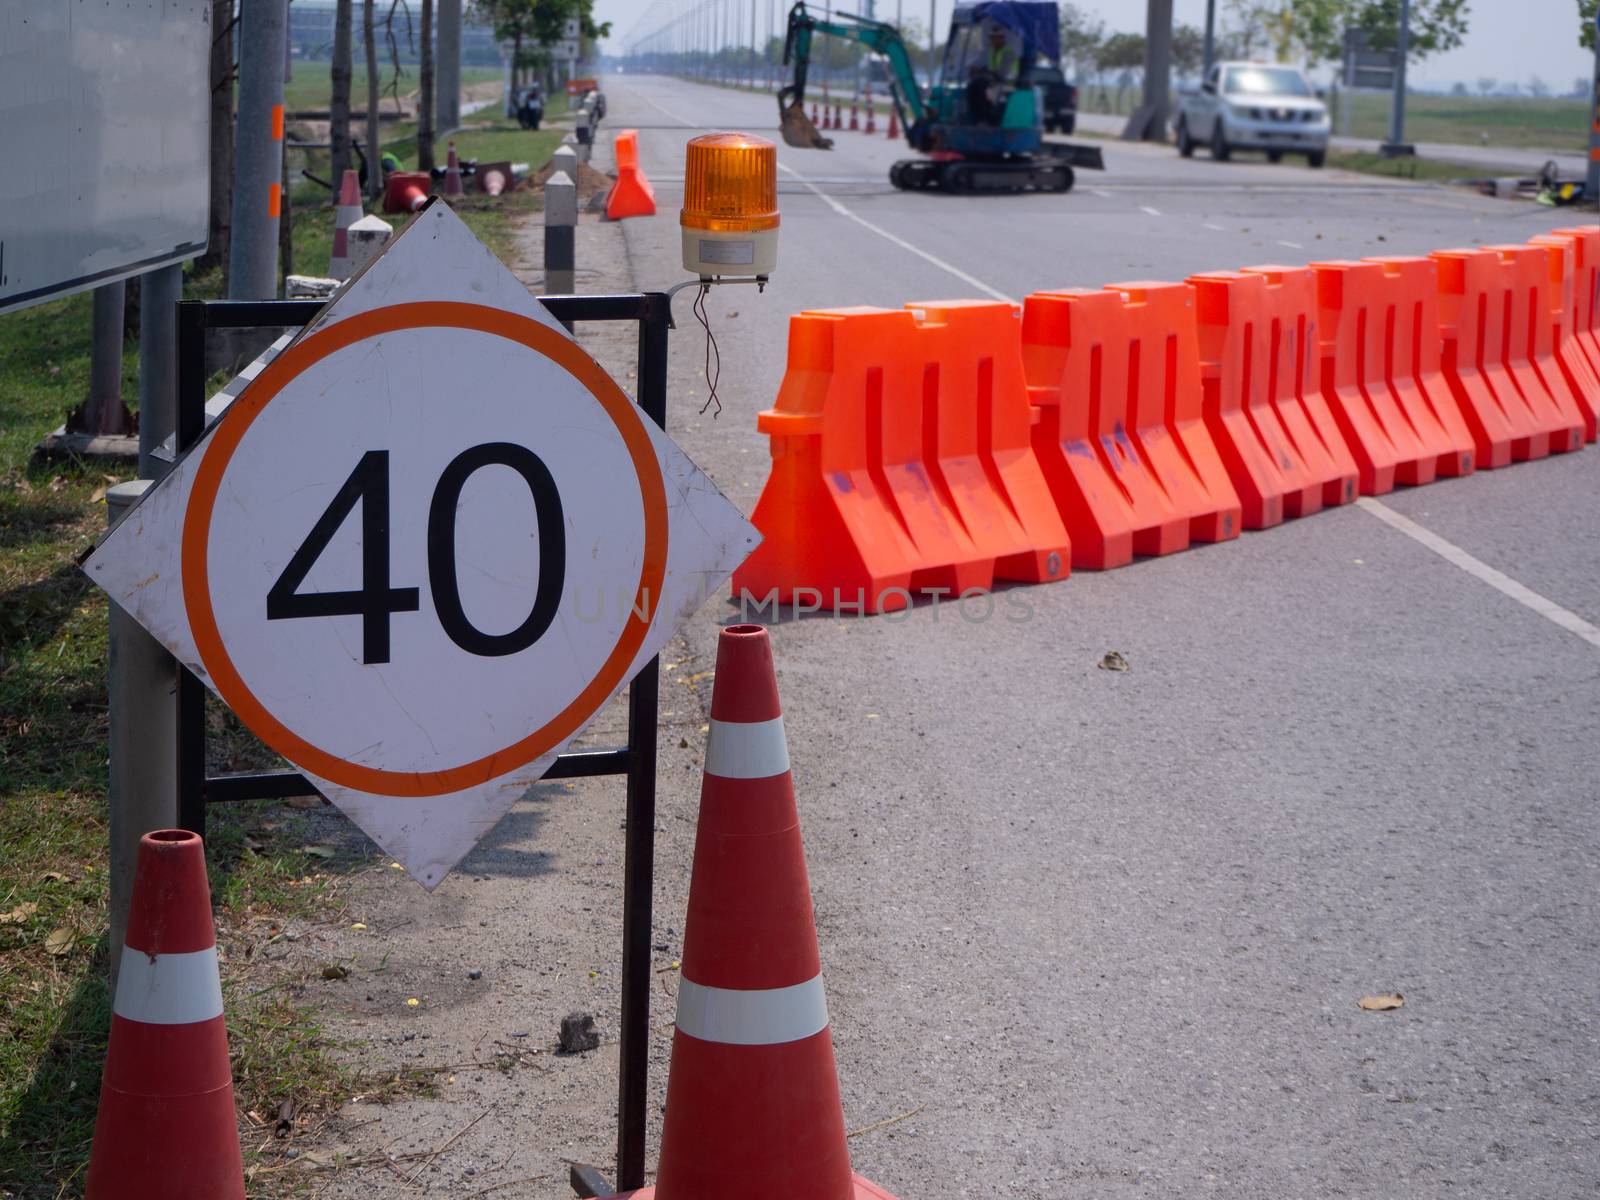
965, 177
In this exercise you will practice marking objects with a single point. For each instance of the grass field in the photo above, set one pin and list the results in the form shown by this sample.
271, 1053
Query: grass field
1476, 121
311, 85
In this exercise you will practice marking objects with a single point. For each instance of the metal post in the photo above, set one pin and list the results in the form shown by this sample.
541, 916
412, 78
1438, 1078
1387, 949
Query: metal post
1211, 37
447, 71
103, 411
1592, 187
143, 791
1397, 108
160, 291
189, 736
933, 26
638, 871
258, 152
1149, 120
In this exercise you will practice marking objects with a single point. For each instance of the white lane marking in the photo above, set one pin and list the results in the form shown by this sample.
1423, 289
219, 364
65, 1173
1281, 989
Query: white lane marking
1292, 245
1209, 225
662, 109
1502, 583
169, 989
757, 1017
969, 280
1101, 192
1145, 208
747, 749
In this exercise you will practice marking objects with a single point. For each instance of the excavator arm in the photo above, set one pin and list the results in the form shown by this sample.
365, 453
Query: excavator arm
876, 36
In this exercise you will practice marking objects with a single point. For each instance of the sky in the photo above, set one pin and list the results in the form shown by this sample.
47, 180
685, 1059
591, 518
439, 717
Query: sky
1506, 39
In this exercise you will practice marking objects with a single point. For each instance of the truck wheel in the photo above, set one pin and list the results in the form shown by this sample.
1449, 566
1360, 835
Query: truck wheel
1220, 150
1316, 158
1185, 142
1274, 156
1068, 125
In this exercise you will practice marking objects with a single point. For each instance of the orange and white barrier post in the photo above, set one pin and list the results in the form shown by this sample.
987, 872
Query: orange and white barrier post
752, 1096
347, 214
166, 1125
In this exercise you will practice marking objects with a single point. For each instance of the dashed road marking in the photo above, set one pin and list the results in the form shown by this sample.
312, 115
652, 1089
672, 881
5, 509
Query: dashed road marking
970, 280
1480, 570
1145, 208
1292, 245
1209, 225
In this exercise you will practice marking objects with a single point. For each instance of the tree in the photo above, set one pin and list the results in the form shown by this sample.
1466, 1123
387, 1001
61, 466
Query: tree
1458, 88
1081, 36
425, 100
1537, 87
1586, 11
1123, 53
1316, 27
1487, 85
339, 105
1188, 51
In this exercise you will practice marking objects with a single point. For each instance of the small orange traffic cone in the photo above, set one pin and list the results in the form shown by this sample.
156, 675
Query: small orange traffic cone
894, 124
855, 119
452, 174
347, 214
752, 1096
166, 1125
872, 122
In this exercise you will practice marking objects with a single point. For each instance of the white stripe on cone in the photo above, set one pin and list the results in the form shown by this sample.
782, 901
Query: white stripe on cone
168, 989
747, 749
753, 1017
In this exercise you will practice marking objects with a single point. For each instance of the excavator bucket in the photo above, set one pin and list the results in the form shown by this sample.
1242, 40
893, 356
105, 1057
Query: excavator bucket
797, 129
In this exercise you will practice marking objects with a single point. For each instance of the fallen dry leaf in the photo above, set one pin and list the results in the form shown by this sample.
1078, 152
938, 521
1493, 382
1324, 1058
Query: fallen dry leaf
55, 877
1113, 661
60, 941
1384, 1003
335, 971
19, 914
317, 851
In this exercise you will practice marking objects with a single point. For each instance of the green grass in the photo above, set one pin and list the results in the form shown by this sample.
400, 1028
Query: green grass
311, 84
1398, 168
1476, 120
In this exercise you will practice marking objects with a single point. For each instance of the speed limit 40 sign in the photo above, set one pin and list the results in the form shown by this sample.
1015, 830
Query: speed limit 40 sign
425, 546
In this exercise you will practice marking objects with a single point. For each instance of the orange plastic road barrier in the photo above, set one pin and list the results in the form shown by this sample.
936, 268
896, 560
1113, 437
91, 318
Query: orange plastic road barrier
1488, 307
977, 437
752, 1093
850, 516
1577, 372
166, 1124
1390, 445
631, 195
1166, 422
1530, 345
1076, 350
1262, 401
1586, 288
1414, 370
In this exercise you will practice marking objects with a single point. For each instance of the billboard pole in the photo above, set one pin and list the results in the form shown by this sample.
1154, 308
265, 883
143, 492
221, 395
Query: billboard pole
258, 152
1396, 145
447, 69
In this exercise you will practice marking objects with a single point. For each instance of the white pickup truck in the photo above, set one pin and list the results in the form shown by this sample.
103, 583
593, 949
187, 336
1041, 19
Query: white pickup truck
1254, 106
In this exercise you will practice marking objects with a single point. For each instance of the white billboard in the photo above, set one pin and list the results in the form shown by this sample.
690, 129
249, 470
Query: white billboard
104, 147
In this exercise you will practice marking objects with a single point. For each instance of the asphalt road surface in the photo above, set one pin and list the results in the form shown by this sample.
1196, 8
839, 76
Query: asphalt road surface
1107, 932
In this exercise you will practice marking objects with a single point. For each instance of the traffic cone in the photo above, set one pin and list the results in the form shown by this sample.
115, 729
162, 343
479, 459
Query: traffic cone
838, 119
894, 124
405, 191
814, 114
346, 215
752, 1095
872, 123
452, 174
166, 1126
855, 120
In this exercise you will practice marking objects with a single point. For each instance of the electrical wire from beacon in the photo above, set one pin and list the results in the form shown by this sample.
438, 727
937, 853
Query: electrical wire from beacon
713, 367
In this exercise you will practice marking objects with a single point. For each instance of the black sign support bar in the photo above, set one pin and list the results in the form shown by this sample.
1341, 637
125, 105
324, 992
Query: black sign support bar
637, 760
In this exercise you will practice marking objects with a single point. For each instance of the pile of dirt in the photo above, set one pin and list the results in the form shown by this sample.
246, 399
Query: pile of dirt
591, 183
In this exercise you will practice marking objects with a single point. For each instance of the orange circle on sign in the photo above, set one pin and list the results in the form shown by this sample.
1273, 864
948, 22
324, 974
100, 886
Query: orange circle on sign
225, 440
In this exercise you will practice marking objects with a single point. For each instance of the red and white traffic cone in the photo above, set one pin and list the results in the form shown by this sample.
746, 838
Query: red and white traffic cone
855, 119
894, 124
452, 173
872, 123
166, 1125
814, 114
838, 120
347, 214
752, 1096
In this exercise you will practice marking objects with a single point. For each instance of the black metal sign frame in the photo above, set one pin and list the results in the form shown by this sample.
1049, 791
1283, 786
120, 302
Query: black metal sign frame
651, 311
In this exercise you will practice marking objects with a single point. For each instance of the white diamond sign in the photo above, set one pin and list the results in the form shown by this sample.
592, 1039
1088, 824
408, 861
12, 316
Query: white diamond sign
425, 546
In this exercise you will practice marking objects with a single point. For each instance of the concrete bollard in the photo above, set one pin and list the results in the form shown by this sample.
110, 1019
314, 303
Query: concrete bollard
560, 234
143, 694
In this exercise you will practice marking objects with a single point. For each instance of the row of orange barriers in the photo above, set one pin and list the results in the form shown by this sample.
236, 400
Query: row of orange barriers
951, 444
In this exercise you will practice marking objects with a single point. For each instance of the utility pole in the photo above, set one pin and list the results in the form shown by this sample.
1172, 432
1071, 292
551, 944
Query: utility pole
1592, 187
1149, 120
1396, 146
1211, 37
258, 152
447, 71
933, 26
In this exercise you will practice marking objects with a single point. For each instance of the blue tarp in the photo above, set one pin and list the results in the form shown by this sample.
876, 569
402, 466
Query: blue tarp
1038, 24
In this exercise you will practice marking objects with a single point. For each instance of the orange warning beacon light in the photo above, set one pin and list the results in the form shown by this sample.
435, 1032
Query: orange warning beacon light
730, 205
